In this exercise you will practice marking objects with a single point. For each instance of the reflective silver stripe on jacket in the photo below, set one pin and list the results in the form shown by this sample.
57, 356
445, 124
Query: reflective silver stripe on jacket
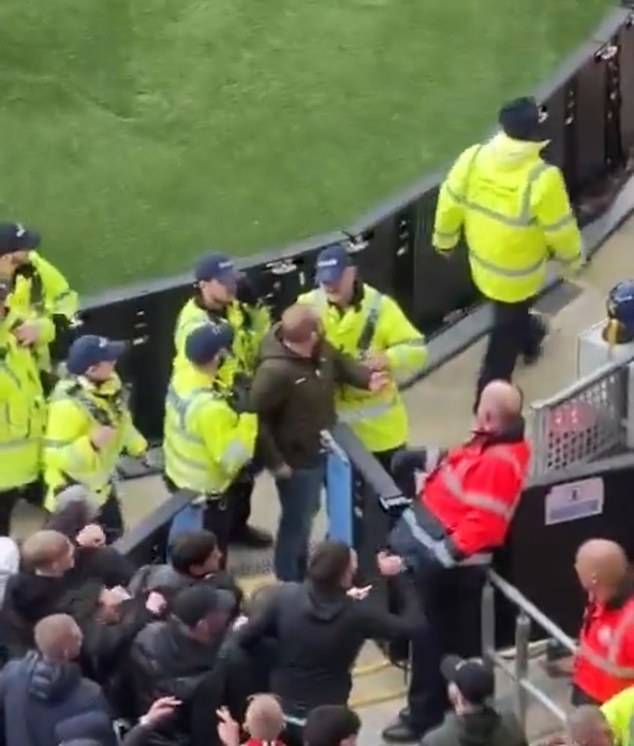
439, 548
17, 443
514, 273
476, 499
365, 413
524, 219
608, 663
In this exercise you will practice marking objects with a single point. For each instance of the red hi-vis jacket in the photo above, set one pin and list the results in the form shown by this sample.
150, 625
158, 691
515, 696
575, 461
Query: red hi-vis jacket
604, 665
475, 490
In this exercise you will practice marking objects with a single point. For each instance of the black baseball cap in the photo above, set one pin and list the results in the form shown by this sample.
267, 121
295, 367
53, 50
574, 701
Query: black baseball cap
193, 604
474, 680
216, 267
328, 725
15, 237
521, 120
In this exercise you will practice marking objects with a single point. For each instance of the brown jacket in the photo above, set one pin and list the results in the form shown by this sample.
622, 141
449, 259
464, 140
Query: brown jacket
295, 397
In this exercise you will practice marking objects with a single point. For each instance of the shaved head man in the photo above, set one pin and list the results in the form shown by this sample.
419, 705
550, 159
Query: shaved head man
602, 568
500, 405
58, 638
604, 665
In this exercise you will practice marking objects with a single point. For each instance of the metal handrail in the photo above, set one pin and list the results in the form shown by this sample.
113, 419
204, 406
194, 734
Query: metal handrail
518, 672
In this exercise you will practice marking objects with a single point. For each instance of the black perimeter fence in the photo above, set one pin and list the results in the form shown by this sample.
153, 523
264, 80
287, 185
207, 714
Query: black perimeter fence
590, 107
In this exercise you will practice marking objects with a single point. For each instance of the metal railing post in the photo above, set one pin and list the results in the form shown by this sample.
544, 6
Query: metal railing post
487, 612
522, 639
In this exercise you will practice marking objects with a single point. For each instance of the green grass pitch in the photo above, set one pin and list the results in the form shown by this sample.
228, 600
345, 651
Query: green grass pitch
137, 133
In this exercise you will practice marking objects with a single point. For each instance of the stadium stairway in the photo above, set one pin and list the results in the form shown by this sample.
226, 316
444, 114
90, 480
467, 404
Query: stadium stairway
439, 408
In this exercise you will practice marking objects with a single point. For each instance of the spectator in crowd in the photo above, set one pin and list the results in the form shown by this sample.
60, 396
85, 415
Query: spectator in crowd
194, 558
38, 590
89, 427
223, 296
207, 440
43, 306
263, 722
74, 517
446, 540
43, 698
180, 657
293, 391
474, 721
9, 562
24, 416
320, 627
332, 725
587, 726
605, 660
619, 713
110, 620
263, 652
371, 327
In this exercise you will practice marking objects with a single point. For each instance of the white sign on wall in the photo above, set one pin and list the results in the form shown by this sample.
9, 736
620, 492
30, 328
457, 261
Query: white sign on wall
574, 500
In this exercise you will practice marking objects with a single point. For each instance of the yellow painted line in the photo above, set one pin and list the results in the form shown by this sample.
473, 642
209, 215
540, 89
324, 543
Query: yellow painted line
378, 698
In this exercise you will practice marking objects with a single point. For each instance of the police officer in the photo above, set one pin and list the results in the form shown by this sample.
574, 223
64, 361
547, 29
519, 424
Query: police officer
369, 326
206, 441
89, 428
22, 420
515, 213
43, 306
445, 539
215, 301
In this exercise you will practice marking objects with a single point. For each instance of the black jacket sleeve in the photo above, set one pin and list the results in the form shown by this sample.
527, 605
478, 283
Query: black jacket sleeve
383, 625
262, 625
137, 736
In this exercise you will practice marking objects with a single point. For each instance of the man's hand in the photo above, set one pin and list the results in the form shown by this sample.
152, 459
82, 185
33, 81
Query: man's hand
358, 594
240, 622
27, 334
283, 471
379, 380
228, 729
155, 603
377, 361
159, 710
91, 535
389, 564
103, 436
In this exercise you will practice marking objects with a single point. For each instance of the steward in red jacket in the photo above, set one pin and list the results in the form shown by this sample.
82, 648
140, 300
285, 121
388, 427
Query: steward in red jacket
468, 500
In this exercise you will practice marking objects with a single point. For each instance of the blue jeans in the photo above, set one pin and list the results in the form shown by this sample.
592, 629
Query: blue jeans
299, 503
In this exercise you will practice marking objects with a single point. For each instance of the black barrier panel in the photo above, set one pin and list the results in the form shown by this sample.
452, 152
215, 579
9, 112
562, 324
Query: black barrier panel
558, 128
443, 284
626, 72
540, 558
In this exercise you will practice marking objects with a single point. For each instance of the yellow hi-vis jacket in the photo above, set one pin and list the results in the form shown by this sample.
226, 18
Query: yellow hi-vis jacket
249, 324
206, 443
78, 407
619, 712
22, 412
41, 292
515, 213
373, 324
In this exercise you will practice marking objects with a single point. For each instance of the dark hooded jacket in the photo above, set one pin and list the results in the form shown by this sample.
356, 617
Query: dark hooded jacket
295, 398
45, 703
319, 634
166, 661
482, 727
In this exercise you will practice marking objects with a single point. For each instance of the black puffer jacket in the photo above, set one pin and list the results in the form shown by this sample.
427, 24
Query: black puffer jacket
166, 661
319, 635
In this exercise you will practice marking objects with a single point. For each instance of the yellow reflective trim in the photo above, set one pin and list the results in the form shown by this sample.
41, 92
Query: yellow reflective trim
516, 273
365, 413
559, 224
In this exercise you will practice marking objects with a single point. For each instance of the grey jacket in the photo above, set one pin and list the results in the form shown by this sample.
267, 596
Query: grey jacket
482, 727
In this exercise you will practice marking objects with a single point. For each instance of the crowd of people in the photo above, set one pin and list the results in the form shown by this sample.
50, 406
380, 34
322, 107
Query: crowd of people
172, 654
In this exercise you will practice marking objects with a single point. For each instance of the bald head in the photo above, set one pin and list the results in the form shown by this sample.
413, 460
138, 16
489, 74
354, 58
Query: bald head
500, 404
587, 726
48, 552
602, 567
58, 637
300, 324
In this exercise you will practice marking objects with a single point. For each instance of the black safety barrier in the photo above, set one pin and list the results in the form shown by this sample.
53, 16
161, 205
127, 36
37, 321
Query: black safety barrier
590, 107
555, 516
146, 542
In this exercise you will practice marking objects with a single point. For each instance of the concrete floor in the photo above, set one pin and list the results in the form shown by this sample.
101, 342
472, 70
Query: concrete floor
439, 409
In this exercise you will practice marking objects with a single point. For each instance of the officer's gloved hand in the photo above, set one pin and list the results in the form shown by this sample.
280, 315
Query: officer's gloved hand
241, 399
408, 460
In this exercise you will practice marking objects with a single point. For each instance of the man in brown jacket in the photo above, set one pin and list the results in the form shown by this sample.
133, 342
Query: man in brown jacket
293, 392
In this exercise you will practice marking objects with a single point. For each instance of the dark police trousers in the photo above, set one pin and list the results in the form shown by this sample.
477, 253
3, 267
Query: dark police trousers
451, 601
515, 332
